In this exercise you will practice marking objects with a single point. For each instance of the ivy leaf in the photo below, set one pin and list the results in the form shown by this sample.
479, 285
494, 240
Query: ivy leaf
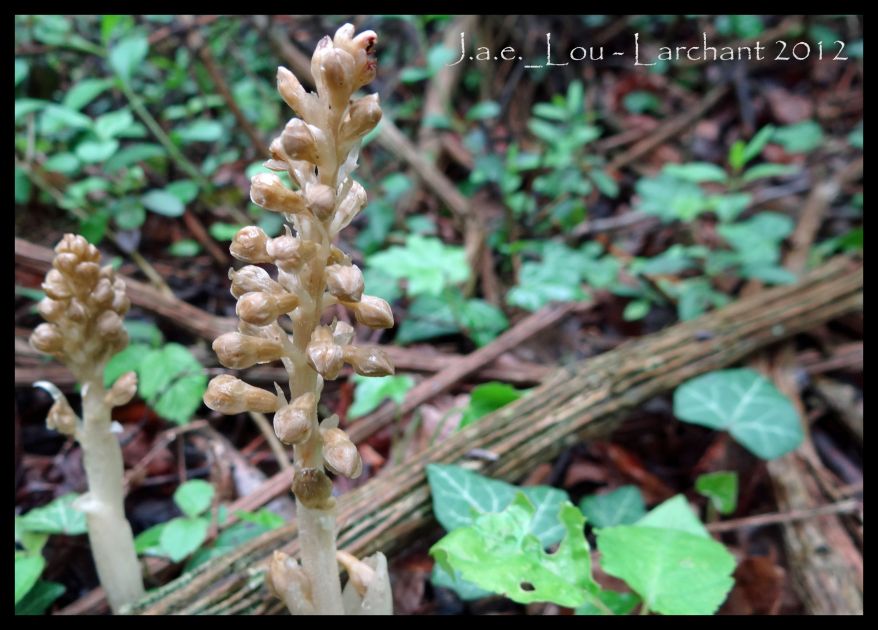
180, 401
370, 392
499, 553
675, 513
674, 572
486, 398
426, 263
619, 507
747, 405
467, 591
460, 495
181, 536
194, 497
28, 569
56, 517
148, 542
721, 488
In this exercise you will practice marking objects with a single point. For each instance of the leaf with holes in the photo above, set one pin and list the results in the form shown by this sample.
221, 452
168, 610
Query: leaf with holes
460, 495
721, 488
499, 552
619, 507
747, 405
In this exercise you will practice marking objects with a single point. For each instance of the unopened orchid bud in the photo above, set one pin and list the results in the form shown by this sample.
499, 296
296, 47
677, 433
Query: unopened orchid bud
289, 252
321, 200
252, 278
229, 395
313, 489
345, 282
76, 311
337, 70
338, 257
289, 582
109, 324
86, 275
235, 350
293, 422
51, 310
362, 117
268, 191
368, 361
294, 94
56, 285
121, 303
360, 574
103, 294
298, 141
66, 262
372, 311
47, 338
340, 454
342, 333
249, 245
61, 417
324, 355
348, 207
122, 391
260, 309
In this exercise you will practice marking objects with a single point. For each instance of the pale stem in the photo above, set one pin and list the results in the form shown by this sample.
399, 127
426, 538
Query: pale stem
110, 536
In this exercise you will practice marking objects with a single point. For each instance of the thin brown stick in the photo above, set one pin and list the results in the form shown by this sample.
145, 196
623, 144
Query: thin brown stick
842, 507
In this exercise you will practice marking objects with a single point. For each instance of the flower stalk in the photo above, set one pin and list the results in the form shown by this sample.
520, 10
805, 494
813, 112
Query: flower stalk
318, 151
84, 308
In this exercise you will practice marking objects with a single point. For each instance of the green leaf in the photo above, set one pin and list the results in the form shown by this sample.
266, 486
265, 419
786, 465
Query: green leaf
185, 190
28, 569
133, 154
164, 203
65, 163
84, 92
181, 536
481, 320
147, 542
22, 186
467, 591
128, 360
185, 248
223, 231
757, 143
670, 198
39, 598
640, 101
94, 227
143, 332
747, 405
113, 123
721, 488
609, 602
94, 151
762, 171
619, 507
675, 513
483, 110
203, 130
227, 541
57, 517
855, 138
194, 497
499, 553
727, 207
460, 495
558, 277
674, 572
128, 55
21, 70
636, 309
129, 213
56, 118
486, 398
801, 137
182, 399
736, 155
428, 316
696, 172
370, 392
264, 518
426, 263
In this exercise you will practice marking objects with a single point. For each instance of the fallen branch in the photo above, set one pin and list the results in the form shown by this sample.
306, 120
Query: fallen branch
585, 401
842, 507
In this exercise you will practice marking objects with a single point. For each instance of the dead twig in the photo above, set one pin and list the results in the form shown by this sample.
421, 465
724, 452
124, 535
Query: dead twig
847, 506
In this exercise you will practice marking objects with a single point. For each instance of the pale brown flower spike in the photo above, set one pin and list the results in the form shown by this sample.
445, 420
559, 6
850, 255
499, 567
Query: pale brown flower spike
318, 150
84, 308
